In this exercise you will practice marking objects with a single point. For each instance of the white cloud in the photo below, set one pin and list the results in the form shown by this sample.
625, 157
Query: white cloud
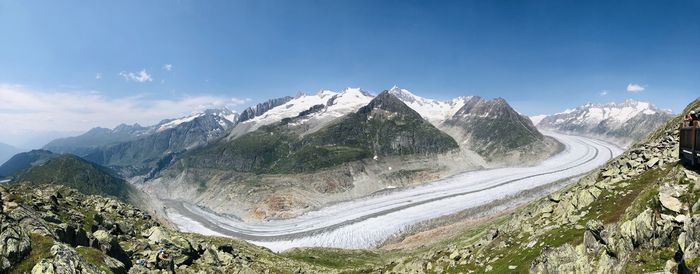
98, 76
603, 93
634, 88
168, 67
141, 76
25, 112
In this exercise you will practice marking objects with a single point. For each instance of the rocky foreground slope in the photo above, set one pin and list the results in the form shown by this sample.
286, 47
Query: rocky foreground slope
55, 229
639, 213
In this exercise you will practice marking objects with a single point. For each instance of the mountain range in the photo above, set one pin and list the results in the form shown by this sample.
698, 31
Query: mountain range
313, 149
348, 144
620, 123
133, 150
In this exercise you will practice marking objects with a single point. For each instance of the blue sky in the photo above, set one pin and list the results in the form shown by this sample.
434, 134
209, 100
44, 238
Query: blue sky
541, 56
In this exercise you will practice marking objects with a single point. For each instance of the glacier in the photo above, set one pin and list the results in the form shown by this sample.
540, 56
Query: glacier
369, 221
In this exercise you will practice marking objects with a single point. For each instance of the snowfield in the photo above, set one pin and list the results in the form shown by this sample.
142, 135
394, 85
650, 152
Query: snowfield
367, 222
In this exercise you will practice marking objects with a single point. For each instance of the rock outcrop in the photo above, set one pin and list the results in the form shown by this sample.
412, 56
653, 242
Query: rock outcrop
56, 229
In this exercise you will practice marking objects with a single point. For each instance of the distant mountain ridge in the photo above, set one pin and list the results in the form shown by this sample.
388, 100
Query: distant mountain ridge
134, 150
621, 123
141, 155
96, 137
24, 160
7, 151
74, 172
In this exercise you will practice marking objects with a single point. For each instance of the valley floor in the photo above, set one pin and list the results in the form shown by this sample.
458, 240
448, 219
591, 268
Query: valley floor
370, 221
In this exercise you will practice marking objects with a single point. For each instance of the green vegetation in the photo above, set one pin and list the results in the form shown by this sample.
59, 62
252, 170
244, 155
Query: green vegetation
94, 256
40, 249
405, 173
77, 173
316, 157
648, 260
341, 259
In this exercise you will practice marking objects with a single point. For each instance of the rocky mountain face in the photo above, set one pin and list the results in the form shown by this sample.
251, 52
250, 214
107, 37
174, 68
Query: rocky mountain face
7, 151
384, 127
261, 108
72, 171
492, 127
622, 124
25, 160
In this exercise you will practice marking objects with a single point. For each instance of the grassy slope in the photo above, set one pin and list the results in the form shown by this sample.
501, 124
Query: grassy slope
77, 173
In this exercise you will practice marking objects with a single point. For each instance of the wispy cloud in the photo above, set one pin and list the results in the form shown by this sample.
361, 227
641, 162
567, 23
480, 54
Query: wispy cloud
603, 93
24, 111
168, 67
98, 76
141, 76
634, 88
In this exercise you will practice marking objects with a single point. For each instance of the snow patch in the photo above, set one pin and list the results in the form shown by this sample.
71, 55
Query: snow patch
432, 110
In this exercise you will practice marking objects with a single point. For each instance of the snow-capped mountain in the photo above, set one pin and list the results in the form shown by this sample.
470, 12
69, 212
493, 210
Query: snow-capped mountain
434, 111
327, 105
134, 149
224, 116
335, 104
622, 123
490, 128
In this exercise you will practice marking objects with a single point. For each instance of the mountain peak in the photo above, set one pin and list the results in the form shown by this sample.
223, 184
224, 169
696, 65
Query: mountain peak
404, 94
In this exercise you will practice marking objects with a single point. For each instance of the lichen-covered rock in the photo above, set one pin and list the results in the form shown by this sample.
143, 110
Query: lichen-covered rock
689, 239
670, 202
639, 229
14, 242
564, 259
156, 234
